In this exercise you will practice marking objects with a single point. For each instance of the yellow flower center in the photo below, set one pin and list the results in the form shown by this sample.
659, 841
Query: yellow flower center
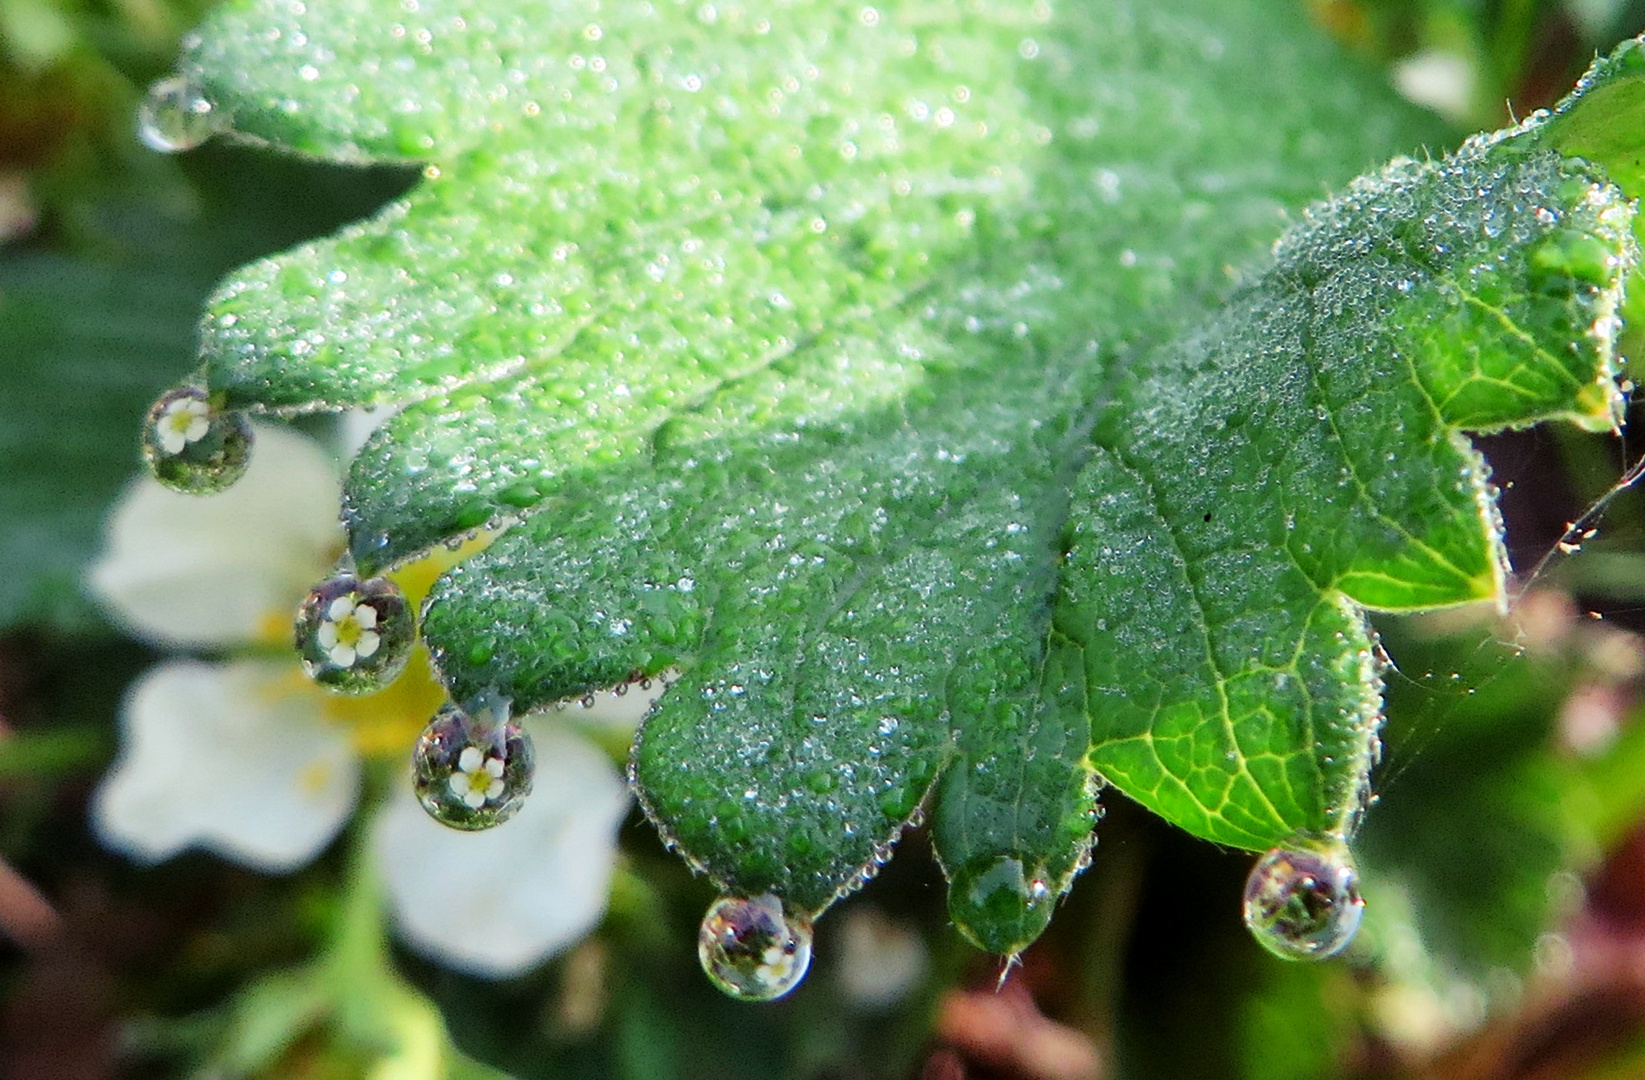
349, 630
478, 781
389, 721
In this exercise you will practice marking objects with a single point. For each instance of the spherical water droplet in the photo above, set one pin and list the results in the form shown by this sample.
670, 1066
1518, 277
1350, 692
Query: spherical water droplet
472, 770
1303, 902
998, 904
354, 636
176, 116
751, 950
190, 446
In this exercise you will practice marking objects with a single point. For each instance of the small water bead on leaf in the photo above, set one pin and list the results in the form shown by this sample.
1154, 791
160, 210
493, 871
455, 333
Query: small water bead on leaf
751, 950
999, 905
175, 116
192, 447
1303, 902
354, 636
472, 769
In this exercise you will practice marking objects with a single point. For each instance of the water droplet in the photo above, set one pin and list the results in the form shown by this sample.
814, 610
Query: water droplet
751, 950
1303, 902
354, 636
999, 905
193, 448
472, 770
175, 116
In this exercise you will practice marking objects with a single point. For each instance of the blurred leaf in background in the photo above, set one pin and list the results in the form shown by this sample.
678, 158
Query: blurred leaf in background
107, 252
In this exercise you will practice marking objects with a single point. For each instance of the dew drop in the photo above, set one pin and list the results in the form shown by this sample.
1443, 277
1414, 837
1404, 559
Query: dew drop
354, 636
472, 769
1000, 905
751, 950
175, 116
1303, 902
191, 447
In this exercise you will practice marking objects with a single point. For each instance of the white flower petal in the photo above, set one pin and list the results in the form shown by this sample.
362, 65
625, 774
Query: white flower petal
193, 408
341, 655
233, 758
190, 571
326, 636
474, 799
355, 426
367, 643
470, 758
458, 783
366, 616
494, 789
172, 441
499, 902
340, 608
1442, 80
494, 766
197, 426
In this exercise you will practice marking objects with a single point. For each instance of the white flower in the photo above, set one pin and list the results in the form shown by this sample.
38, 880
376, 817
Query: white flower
478, 779
776, 964
226, 757
184, 421
348, 631
530, 886
249, 760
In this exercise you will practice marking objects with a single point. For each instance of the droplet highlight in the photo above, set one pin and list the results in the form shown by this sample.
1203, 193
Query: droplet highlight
1000, 904
472, 770
175, 116
354, 636
1303, 902
192, 447
751, 950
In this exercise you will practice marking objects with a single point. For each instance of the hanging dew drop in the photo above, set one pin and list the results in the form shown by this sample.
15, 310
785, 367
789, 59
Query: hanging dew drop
190, 446
175, 116
751, 950
472, 770
1000, 905
354, 636
1303, 903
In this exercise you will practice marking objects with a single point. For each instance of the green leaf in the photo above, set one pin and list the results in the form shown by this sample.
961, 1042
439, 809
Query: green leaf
880, 373
1299, 460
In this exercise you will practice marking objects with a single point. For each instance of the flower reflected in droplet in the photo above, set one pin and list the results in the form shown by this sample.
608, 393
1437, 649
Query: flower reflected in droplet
478, 779
182, 421
349, 631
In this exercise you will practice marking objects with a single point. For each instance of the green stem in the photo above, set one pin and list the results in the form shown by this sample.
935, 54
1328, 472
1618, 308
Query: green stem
356, 968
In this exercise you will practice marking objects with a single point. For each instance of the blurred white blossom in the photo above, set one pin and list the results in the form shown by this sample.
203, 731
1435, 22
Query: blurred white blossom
245, 758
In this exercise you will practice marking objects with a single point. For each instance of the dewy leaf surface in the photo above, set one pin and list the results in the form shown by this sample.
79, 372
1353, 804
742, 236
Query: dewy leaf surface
1298, 459
788, 329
